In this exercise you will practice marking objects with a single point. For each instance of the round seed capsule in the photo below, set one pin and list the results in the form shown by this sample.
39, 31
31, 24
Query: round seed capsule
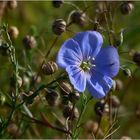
136, 58
49, 68
79, 17
57, 3
13, 32
126, 7
74, 97
51, 97
99, 108
65, 87
59, 26
12, 4
29, 42
70, 113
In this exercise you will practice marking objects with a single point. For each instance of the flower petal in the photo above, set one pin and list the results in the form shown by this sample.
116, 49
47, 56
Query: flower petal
107, 61
90, 43
69, 54
77, 77
99, 85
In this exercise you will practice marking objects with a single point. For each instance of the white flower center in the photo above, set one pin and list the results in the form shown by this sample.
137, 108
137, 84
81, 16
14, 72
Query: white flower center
88, 64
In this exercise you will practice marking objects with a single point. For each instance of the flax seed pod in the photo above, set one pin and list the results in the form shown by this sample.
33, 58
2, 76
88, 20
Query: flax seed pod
57, 3
12, 4
13, 32
49, 68
79, 17
59, 26
29, 42
126, 7
136, 58
65, 87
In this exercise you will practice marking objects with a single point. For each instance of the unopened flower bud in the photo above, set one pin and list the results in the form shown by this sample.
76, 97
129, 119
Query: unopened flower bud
51, 97
59, 26
136, 58
49, 68
127, 72
57, 3
74, 97
126, 7
29, 42
70, 112
65, 87
99, 108
79, 17
12, 4
114, 101
13, 32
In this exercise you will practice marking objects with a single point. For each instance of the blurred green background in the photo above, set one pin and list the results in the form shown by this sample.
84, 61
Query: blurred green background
36, 18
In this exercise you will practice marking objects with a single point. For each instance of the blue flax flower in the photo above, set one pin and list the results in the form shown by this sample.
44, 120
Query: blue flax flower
87, 64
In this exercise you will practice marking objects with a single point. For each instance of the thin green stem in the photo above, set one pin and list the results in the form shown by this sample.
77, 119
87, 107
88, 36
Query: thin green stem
83, 109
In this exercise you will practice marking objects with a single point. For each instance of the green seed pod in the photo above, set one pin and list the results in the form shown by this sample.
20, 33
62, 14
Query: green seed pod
51, 97
136, 58
79, 17
49, 68
59, 26
65, 87
126, 7
29, 42
57, 3
13, 32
